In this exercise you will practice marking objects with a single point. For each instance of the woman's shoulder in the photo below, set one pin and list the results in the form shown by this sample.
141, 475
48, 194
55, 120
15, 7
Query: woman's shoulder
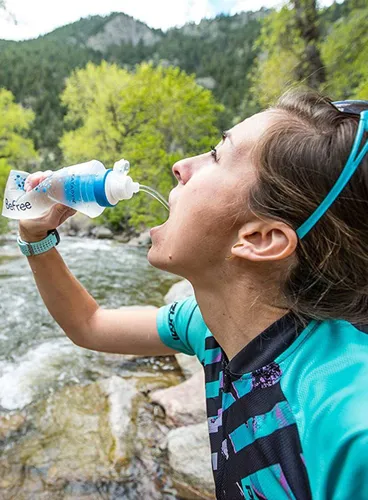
327, 386
326, 380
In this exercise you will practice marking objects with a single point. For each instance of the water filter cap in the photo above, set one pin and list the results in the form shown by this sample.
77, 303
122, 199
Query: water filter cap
118, 185
122, 166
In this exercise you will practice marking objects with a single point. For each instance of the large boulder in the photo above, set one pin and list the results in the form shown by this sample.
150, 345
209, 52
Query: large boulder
121, 396
143, 240
190, 462
189, 364
102, 233
80, 434
185, 403
179, 291
78, 225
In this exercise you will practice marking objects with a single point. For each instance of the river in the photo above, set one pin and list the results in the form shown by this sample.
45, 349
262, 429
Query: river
55, 441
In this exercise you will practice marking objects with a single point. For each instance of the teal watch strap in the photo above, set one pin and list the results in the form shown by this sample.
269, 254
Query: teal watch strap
52, 239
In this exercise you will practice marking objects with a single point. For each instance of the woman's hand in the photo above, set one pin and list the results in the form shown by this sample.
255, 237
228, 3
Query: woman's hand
32, 230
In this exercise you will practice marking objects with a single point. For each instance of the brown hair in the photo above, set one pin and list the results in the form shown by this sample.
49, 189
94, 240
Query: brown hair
299, 160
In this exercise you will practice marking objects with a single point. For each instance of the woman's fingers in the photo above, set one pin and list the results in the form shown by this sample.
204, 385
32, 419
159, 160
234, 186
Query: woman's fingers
35, 179
57, 215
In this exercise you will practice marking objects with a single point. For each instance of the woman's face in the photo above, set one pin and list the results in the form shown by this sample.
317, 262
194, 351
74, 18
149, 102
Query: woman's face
209, 204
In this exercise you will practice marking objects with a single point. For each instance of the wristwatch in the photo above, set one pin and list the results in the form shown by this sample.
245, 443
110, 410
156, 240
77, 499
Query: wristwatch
35, 248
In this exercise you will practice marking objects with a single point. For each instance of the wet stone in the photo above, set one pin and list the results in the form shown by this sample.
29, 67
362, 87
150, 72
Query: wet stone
190, 461
10, 424
75, 439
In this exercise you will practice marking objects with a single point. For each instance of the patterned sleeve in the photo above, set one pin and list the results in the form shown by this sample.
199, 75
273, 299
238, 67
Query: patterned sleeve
182, 328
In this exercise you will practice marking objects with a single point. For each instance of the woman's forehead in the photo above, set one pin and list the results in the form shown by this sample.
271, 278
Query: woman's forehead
249, 131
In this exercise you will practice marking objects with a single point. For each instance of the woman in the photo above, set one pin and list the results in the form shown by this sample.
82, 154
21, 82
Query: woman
281, 295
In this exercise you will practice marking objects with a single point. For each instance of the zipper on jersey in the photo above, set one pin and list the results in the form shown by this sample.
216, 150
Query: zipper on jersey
220, 494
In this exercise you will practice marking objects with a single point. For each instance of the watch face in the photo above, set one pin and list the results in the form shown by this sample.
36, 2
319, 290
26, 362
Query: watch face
56, 233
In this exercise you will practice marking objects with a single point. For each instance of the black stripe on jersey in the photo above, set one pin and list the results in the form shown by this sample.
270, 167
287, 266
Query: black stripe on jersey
212, 371
216, 439
281, 447
213, 406
256, 402
210, 343
362, 328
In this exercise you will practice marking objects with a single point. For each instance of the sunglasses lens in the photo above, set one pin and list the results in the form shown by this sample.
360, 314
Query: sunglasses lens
353, 107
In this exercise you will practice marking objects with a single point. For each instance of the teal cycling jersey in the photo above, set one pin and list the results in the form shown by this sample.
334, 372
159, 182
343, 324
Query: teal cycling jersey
288, 415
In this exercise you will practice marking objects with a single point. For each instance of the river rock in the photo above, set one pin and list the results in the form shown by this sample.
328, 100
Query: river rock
10, 424
81, 434
78, 225
102, 233
143, 240
185, 403
179, 291
190, 462
121, 394
122, 237
189, 365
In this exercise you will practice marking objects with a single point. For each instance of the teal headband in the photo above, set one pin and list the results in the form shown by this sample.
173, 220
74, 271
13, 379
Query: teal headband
353, 162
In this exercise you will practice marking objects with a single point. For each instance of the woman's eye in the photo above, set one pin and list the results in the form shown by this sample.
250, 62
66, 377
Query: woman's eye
214, 153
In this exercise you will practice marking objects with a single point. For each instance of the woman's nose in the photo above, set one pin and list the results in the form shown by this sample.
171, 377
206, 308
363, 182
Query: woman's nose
181, 170
184, 169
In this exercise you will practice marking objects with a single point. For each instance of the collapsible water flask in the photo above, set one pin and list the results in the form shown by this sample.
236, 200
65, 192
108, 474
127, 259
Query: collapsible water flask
87, 187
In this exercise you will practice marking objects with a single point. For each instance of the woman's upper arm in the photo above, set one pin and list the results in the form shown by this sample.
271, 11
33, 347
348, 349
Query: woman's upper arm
125, 331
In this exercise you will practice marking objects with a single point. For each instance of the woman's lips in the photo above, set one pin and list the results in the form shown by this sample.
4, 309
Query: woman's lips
154, 229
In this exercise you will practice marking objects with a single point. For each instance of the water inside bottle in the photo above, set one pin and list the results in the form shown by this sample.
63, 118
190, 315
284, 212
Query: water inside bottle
154, 194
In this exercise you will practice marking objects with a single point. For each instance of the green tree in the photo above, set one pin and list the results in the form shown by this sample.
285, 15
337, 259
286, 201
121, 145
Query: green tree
291, 51
310, 69
152, 117
16, 151
344, 52
280, 53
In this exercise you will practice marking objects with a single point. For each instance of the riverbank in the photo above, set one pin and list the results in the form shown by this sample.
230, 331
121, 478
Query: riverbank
81, 226
78, 424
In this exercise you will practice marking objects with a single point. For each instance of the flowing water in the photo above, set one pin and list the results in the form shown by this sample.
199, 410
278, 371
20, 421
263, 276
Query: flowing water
55, 439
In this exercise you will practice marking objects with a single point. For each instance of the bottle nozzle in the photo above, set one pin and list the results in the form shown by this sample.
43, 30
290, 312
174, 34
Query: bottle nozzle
122, 166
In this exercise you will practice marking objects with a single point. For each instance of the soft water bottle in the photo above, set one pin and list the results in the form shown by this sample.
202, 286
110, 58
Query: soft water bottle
87, 187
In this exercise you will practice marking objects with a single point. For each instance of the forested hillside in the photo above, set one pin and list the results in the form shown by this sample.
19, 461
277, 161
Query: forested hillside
244, 61
220, 51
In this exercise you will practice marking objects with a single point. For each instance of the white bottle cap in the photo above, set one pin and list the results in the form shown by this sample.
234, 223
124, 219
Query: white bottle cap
118, 185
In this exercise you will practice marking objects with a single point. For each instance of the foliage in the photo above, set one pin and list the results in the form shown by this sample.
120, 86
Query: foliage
343, 47
348, 72
16, 151
152, 116
280, 52
36, 70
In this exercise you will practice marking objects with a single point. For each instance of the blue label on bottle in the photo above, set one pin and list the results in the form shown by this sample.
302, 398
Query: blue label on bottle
79, 189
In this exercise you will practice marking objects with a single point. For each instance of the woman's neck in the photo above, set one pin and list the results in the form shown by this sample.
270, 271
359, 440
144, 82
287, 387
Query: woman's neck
236, 313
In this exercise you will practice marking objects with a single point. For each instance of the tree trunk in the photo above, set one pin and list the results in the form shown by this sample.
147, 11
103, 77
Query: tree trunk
311, 69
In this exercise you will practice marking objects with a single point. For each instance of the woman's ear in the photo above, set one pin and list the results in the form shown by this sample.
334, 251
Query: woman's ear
265, 240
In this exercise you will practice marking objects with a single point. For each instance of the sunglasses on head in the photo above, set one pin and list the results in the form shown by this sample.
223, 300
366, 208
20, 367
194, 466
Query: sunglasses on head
356, 156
